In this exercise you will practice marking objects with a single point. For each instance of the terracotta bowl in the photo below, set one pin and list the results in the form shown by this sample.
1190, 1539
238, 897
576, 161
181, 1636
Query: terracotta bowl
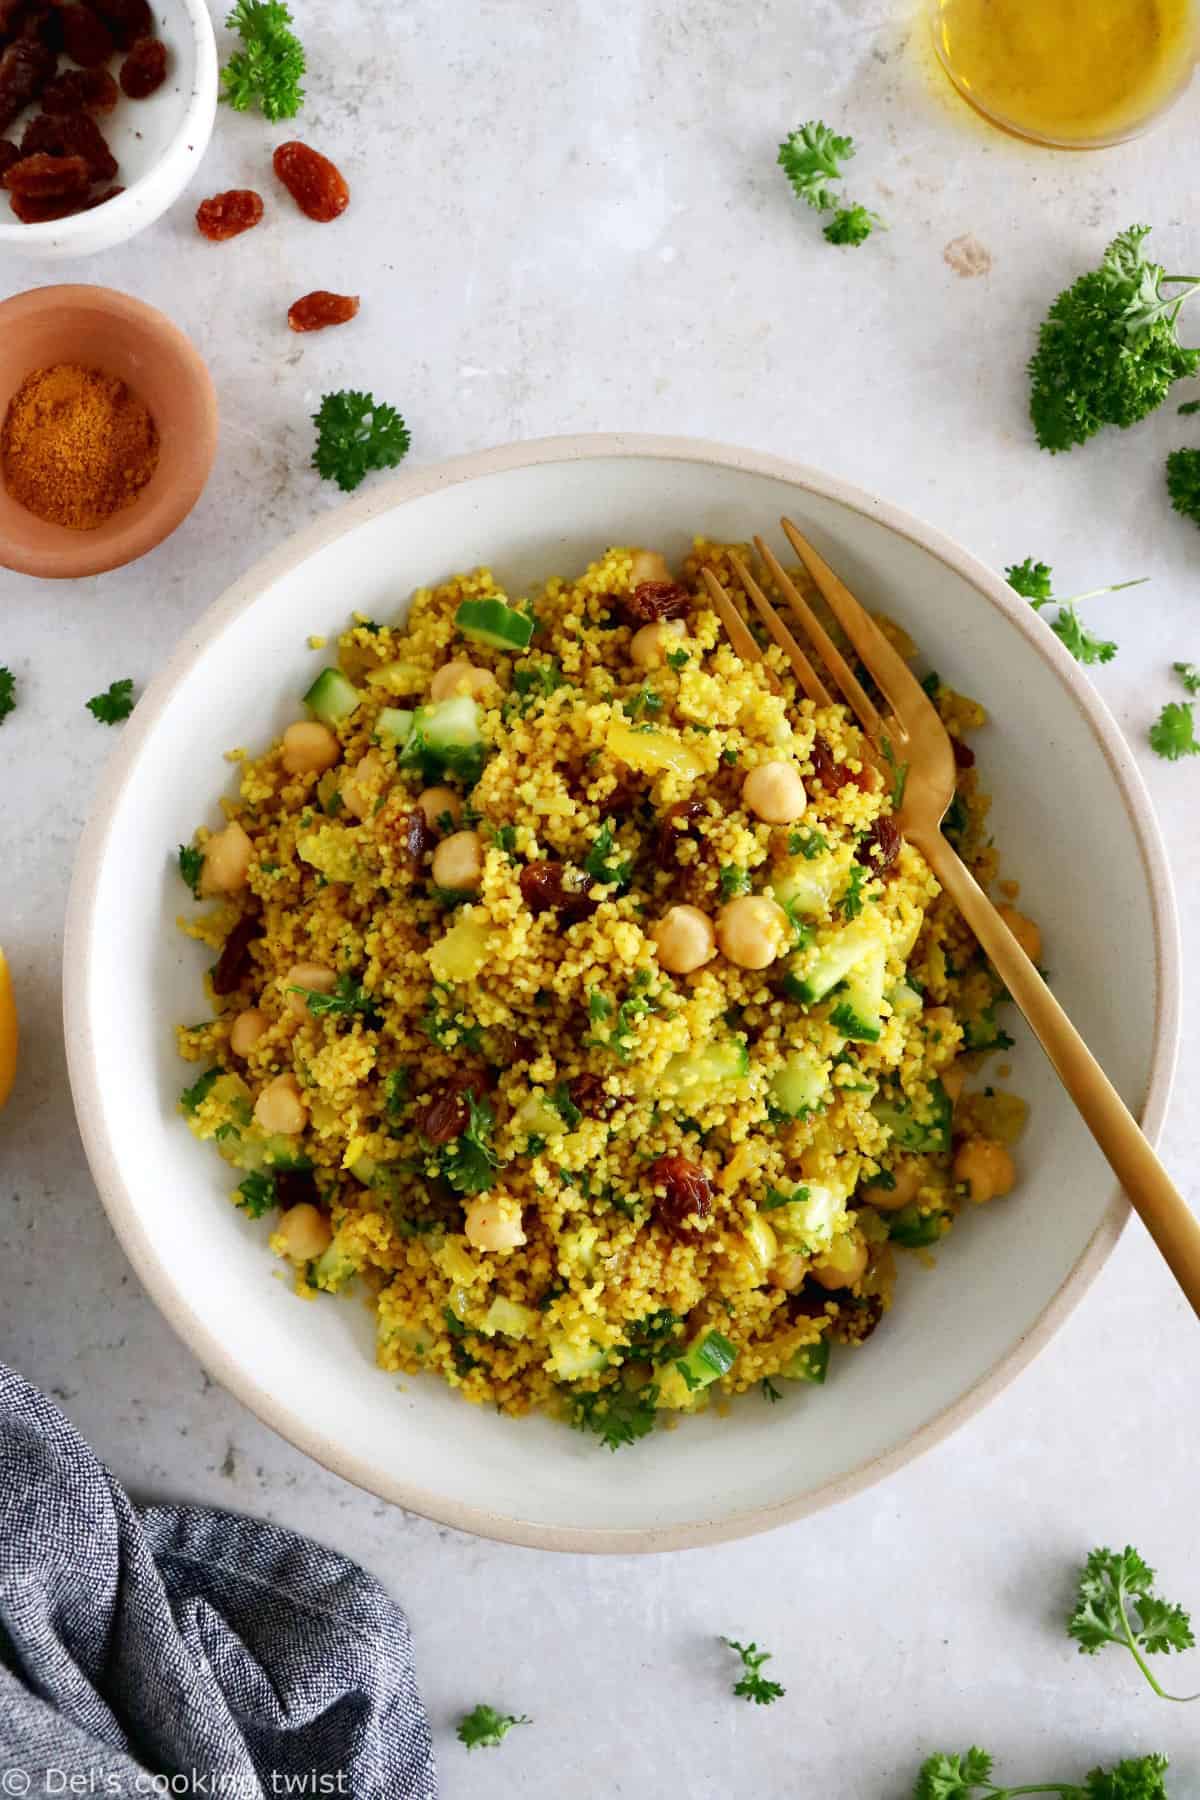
102, 329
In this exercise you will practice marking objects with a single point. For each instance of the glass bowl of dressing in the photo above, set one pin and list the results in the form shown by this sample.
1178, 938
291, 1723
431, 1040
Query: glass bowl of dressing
1075, 74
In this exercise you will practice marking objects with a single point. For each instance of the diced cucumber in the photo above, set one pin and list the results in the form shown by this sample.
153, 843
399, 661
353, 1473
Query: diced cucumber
808, 888
331, 697
394, 725
905, 1001
445, 739
508, 1318
912, 1228
492, 622
807, 1221
537, 1118
800, 1085
333, 1268
705, 1070
810, 1363
812, 973
931, 1131
571, 1364
858, 1013
706, 1359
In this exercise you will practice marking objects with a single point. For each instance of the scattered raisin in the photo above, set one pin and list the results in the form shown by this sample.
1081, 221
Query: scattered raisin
833, 775
675, 823
9, 154
417, 835
447, 1115
652, 600
48, 177
964, 756
317, 310
127, 20
623, 798
144, 69
81, 90
228, 215
233, 964
25, 68
43, 24
12, 15
318, 188
557, 887
86, 38
687, 1197
41, 212
880, 847
589, 1094
71, 134
294, 1187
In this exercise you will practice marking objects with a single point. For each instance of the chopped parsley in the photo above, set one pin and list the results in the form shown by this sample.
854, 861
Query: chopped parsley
617, 1415
899, 774
752, 1685
192, 1097
1173, 733
808, 844
505, 838
1116, 1604
355, 434
769, 1390
777, 1198
266, 71
677, 659
483, 1727
729, 756
1189, 674
191, 862
602, 863
734, 881
851, 903
655, 1338
450, 1028
8, 693
538, 680
645, 701
114, 704
258, 1194
469, 1162
851, 225
395, 1095
348, 1000
565, 1107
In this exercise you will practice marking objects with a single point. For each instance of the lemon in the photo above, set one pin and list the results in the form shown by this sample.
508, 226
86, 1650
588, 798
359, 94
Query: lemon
8, 1031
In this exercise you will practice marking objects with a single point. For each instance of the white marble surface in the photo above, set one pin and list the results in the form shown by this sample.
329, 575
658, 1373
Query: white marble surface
566, 217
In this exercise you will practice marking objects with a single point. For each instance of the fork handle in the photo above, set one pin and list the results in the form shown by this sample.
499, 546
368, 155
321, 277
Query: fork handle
1164, 1211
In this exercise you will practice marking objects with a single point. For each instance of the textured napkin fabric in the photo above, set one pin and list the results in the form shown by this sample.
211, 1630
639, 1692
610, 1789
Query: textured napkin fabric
181, 1650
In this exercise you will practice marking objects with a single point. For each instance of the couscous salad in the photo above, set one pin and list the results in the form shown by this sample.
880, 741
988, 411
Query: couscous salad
580, 1003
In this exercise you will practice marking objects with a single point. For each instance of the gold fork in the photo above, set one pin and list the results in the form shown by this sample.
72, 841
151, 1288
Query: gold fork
911, 737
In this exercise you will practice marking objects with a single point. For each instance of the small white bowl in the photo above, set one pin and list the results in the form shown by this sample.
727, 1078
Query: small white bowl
1074, 826
158, 143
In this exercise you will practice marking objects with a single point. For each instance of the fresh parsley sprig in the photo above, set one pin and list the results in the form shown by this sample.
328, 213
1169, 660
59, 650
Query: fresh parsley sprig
811, 157
1183, 483
1107, 352
266, 71
191, 863
468, 1162
8, 693
1173, 733
752, 1685
1034, 582
355, 434
949, 1776
618, 1415
114, 704
1116, 1604
1189, 674
483, 1727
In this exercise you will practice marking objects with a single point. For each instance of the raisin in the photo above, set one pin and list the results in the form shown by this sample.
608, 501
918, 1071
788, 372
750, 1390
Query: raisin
416, 834
233, 964
675, 823
446, 1115
48, 177
12, 16
964, 756
590, 1095
228, 215
81, 90
687, 1196
127, 20
318, 188
857, 1319
41, 212
623, 798
557, 887
86, 38
25, 68
9, 154
880, 847
833, 775
653, 600
144, 69
44, 23
317, 310
295, 1187
71, 134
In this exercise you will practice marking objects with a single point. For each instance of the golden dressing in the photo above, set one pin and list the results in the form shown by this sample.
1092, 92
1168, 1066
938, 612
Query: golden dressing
1070, 71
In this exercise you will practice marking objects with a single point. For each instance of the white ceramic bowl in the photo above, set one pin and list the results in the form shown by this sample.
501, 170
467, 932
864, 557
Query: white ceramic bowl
1070, 814
158, 143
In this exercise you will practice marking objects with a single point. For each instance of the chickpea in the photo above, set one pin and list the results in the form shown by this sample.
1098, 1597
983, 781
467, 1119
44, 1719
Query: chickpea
304, 1232
953, 1079
908, 1177
227, 858
844, 1263
752, 931
648, 565
685, 939
436, 802
246, 1030
280, 1108
774, 793
1024, 930
986, 1167
362, 787
309, 748
494, 1223
458, 862
313, 976
455, 678
788, 1271
649, 646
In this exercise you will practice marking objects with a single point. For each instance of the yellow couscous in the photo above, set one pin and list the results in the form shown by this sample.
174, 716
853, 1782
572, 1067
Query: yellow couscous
580, 1002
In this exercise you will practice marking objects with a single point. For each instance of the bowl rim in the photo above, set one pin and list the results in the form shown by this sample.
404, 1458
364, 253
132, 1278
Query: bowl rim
195, 125
83, 1068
